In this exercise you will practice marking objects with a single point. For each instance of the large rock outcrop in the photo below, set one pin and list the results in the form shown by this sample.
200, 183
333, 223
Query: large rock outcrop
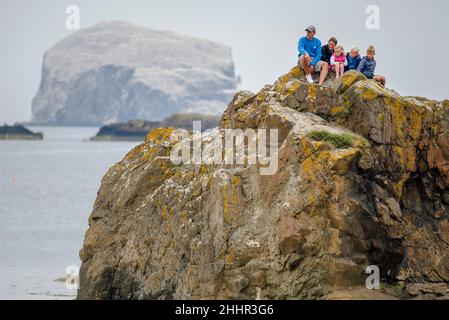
115, 72
164, 231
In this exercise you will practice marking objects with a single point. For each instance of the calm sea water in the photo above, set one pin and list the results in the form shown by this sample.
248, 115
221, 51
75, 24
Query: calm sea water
47, 189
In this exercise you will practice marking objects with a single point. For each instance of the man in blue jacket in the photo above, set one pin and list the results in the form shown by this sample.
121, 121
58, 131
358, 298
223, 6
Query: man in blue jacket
309, 49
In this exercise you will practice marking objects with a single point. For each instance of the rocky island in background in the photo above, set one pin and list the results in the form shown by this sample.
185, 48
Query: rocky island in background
137, 130
18, 132
115, 72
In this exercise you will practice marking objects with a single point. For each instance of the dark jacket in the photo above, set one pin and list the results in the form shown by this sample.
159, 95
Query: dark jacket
353, 63
367, 67
326, 53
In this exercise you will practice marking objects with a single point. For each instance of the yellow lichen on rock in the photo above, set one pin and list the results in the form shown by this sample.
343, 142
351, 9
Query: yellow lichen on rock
398, 118
347, 80
296, 72
337, 110
342, 160
312, 93
230, 192
160, 135
415, 123
369, 93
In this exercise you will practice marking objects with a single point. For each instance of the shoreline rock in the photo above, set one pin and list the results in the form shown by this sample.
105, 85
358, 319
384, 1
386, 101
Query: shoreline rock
18, 132
137, 130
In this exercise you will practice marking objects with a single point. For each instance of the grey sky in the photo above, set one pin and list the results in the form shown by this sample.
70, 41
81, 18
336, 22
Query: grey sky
412, 46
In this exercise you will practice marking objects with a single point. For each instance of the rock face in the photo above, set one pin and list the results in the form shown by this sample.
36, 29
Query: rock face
18, 132
165, 231
116, 72
137, 130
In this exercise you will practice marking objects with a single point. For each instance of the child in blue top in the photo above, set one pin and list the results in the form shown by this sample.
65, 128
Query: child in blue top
368, 65
353, 58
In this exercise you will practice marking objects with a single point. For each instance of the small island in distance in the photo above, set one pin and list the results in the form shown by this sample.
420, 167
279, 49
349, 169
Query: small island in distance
137, 130
18, 132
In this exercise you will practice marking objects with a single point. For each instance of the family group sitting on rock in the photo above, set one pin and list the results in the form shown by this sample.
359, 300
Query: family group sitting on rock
316, 58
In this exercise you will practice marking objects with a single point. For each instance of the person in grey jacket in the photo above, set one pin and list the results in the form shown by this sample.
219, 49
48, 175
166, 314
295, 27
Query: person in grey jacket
368, 66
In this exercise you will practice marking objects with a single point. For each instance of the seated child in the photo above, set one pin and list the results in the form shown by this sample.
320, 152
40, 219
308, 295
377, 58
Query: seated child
338, 61
353, 58
368, 65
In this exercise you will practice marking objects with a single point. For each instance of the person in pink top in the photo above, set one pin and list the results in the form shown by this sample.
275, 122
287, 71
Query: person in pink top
338, 61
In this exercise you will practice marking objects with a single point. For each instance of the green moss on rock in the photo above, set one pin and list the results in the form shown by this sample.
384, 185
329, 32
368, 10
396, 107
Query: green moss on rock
341, 141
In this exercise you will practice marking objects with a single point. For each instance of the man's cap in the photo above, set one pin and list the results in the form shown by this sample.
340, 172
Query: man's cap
311, 29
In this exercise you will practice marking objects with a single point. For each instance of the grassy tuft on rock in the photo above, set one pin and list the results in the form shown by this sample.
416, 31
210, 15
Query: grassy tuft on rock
340, 141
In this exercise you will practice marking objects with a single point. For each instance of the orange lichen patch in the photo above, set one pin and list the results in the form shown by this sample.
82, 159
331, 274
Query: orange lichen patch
184, 216
265, 111
307, 148
135, 151
405, 158
337, 110
230, 199
148, 155
243, 114
167, 227
369, 93
398, 117
235, 181
227, 218
310, 168
164, 213
312, 92
164, 166
243, 101
203, 170
346, 101
280, 84
381, 117
341, 161
159, 135
415, 123
398, 187
260, 97
229, 258
350, 78
307, 168
320, 157
446, 104
411, 161
226, 122
296, 72
291, 88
